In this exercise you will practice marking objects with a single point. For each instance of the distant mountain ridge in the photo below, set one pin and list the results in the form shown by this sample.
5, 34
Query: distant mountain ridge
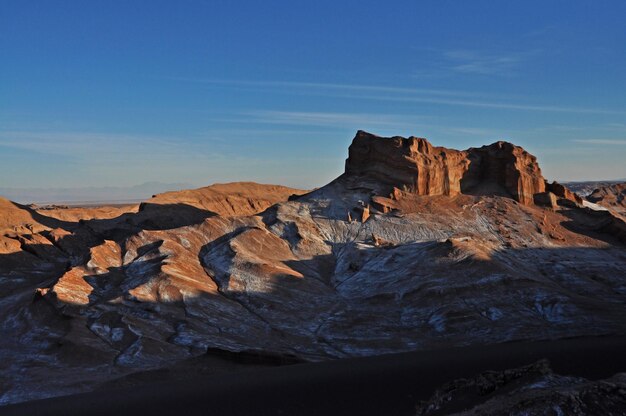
584, 188
90, 194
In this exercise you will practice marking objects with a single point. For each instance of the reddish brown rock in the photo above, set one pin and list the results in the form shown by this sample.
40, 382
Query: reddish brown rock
365, 213
563, 192
415, 166
547, 199
19, 219
73, 288
411, 164
612, 197
503, 168
228, 199
143, 290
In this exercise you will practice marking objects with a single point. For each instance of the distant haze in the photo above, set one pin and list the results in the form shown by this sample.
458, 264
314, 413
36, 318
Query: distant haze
89, 194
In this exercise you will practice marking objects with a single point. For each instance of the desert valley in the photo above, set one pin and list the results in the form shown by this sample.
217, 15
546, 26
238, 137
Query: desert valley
414, 248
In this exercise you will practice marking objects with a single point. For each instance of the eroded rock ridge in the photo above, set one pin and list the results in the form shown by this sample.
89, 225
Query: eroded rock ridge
415, 166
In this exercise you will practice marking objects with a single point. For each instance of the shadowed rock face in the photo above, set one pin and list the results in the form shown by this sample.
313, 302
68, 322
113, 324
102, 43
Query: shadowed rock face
414, 247
530, 390
415, 166
503, 166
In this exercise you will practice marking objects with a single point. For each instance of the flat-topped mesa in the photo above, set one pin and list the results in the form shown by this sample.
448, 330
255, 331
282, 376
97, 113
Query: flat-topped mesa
414, 165
410, 164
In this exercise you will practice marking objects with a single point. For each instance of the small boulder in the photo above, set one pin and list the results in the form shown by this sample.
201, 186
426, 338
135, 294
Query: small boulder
546, 199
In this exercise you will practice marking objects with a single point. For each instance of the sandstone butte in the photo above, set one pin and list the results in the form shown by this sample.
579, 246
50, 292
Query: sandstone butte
413, 247
414, 166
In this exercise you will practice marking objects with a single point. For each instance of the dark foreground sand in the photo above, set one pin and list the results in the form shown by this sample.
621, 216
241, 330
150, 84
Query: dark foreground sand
382, 385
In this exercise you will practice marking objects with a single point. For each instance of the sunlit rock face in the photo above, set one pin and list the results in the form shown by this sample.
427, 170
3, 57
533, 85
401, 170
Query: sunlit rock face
410, 164
415, 166
413, 247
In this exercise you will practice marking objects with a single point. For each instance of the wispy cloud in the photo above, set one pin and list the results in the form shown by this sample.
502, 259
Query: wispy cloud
496, 105
474, 62
328, 125
86, 143
67, 159
334, 119
608, 142
399, 94
282, 85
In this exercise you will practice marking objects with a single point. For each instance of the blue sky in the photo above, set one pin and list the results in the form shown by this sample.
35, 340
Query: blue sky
117, 93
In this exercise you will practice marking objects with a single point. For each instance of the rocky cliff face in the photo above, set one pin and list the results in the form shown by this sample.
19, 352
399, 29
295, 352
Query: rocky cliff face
410, 164
503, 168
415, 166
564, 192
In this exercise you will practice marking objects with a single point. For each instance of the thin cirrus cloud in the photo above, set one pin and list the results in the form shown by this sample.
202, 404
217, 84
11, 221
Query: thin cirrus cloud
325, 86
83, 143
397, 94
107, 148
473, 62
379, 123
333, 119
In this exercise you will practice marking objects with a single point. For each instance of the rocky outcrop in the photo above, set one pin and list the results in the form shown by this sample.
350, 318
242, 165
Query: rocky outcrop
74, 286
547, 199
503, 168
530, 390
228, 199
189, 272
411, 164
415, 166
562, 191
611, 197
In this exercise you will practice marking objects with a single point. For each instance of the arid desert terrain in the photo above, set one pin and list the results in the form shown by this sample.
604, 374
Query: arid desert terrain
413, 249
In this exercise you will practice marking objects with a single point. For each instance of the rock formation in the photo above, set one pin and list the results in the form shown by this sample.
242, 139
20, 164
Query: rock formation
411, 164
547, 199
611, 197
437, 253
586, 188
562, 191
530, 390
415, 166
229, 199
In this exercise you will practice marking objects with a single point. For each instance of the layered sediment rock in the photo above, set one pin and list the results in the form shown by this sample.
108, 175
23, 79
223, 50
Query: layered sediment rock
501, 168
415, 166
411, 164
612, 197
563, 192
87, 300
